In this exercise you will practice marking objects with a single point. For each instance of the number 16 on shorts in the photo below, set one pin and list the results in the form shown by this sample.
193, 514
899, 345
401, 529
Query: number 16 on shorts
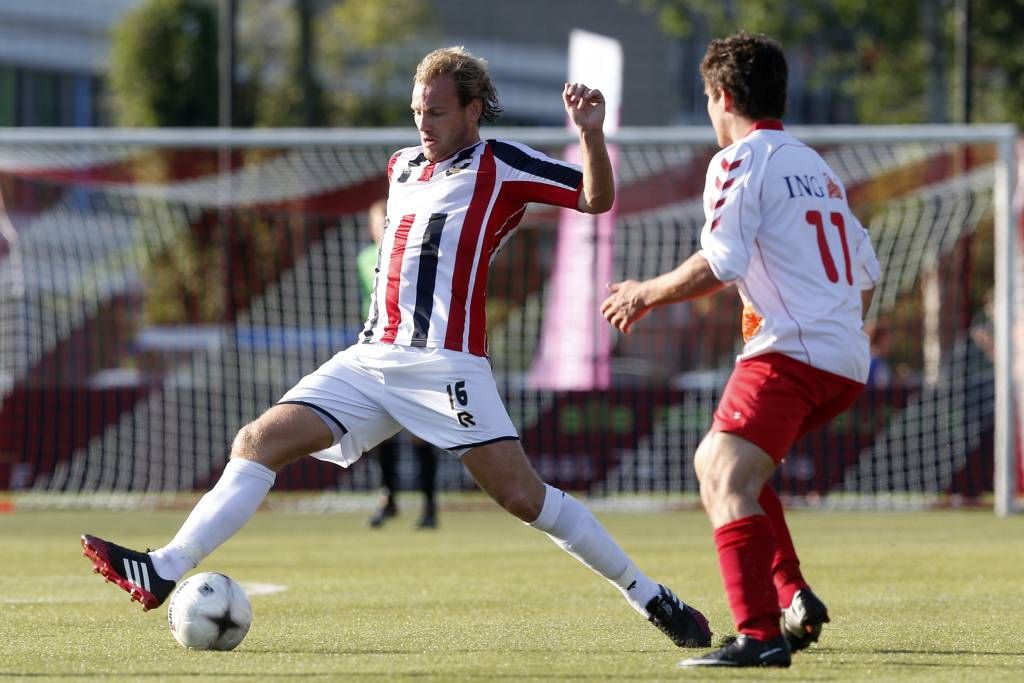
458, 397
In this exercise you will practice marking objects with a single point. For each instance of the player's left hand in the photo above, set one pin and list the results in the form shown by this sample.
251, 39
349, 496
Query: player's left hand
584, 106
625, 305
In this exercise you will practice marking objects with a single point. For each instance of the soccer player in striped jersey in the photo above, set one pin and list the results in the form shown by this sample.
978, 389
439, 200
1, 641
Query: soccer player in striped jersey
779, 228
421, 362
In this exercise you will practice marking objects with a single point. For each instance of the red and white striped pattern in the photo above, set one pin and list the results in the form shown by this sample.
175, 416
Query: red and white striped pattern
446, 222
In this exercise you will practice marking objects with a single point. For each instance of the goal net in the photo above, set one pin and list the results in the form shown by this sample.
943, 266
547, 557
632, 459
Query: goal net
159, 289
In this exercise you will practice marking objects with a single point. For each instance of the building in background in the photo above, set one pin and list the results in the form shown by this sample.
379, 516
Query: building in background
54, 54
526, 43
53, 57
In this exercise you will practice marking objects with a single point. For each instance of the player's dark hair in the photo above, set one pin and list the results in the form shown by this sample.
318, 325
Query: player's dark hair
470, 74
752, 69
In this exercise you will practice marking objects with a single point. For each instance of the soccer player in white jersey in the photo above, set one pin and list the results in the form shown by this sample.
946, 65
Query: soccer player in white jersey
778, 227
421, 362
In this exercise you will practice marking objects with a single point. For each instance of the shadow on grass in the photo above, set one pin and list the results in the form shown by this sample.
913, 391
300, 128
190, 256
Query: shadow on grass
949, 653
132, 675
331, 675
263, 675
943, 663
356, 652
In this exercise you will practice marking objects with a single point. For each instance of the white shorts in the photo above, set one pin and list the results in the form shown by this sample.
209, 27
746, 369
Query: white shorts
368, 392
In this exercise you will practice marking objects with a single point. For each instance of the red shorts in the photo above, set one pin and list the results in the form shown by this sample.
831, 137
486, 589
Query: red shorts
773, 400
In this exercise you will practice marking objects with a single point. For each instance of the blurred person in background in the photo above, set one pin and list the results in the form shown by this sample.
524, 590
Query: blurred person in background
880, 338
386, 454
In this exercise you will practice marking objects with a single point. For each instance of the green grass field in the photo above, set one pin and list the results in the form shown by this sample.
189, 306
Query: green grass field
927, 596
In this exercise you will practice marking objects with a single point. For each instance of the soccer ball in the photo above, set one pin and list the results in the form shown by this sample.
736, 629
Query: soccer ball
209, 611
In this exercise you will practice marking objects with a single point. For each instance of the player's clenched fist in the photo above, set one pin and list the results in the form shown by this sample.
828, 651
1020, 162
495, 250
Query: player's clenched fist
584, 105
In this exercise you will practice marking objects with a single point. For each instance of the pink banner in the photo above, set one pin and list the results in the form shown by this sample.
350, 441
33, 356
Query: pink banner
575, 342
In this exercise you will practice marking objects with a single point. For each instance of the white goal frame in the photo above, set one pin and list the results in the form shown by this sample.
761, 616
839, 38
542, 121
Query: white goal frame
1004, 138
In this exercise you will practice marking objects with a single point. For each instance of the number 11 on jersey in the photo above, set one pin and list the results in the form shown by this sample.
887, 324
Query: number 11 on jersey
814, 219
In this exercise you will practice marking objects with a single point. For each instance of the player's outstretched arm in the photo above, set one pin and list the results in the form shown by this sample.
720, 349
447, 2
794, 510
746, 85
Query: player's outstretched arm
586, 109
630, 300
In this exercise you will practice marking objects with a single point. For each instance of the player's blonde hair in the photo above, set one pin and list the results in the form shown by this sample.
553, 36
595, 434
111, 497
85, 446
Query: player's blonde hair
470, 74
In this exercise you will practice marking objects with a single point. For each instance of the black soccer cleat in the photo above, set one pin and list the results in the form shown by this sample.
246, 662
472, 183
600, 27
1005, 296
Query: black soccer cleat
746, 652
132, 571
684, 625
386, 511
428, 519
802, 620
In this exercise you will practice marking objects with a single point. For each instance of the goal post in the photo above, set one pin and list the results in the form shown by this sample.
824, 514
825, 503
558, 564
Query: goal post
1008, 305
160, 288
1008, 297
1008, 264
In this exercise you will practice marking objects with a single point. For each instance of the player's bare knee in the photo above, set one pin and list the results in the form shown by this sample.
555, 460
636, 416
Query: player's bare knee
519, 503
253, 443
246, 443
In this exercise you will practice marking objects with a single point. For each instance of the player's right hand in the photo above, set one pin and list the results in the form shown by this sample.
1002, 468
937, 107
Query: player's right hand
625, 305
584, 106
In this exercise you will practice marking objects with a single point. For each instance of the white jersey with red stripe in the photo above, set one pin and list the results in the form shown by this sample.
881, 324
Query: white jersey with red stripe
778, 225
446, 221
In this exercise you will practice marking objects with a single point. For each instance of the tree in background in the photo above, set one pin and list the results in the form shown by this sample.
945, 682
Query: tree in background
370, 50
271, 87
163, 65
893, 62
300, 63
999, 59
362, 56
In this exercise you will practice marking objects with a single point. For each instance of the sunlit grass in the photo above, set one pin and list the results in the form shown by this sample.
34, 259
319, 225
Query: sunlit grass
929, 596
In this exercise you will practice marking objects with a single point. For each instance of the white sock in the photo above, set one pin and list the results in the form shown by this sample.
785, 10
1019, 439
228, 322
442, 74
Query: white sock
216, 517
572, 526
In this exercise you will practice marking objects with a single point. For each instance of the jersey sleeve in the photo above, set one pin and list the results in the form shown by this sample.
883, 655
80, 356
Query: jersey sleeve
531, 176
391, 163
867, 269
732, 213
406, 152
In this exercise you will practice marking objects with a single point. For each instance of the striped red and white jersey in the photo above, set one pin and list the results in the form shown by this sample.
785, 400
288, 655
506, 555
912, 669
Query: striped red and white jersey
778, 225
446, 221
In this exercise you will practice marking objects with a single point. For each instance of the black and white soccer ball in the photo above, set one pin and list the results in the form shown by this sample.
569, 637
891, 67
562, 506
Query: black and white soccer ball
209, 611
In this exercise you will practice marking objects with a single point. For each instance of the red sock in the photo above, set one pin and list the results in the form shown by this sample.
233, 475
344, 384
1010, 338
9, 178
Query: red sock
745, 549
785, 564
